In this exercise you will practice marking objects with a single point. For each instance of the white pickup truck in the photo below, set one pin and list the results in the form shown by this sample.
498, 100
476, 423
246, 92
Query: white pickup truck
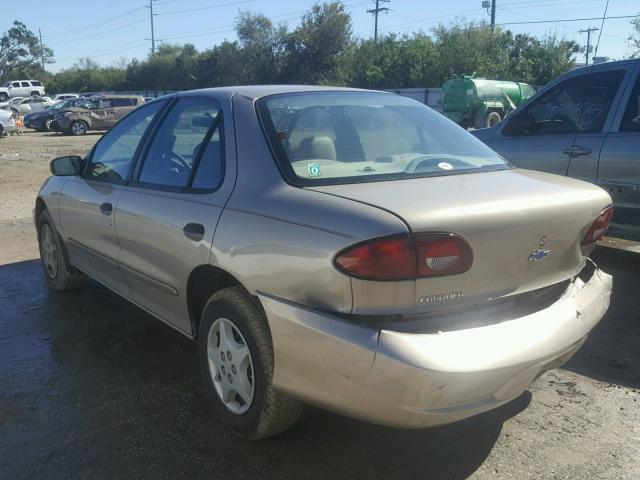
21, 88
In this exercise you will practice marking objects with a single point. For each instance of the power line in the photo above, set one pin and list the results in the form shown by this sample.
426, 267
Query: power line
173, 12
375, 12
73, 31
604, 15
568, 20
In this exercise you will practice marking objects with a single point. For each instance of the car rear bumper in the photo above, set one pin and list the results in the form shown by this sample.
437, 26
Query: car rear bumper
417, 380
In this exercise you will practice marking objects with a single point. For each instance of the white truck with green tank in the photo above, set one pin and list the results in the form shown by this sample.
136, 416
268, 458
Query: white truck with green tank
478, 102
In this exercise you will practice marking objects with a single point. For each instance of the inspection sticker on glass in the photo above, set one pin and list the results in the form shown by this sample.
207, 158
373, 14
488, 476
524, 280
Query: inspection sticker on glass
313, 169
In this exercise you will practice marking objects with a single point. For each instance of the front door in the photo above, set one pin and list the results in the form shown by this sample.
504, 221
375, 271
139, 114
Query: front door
167, 219
560, 131
619, 167
88, 203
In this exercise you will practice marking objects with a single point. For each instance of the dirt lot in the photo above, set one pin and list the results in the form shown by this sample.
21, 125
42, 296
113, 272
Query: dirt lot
92, 387
24, 164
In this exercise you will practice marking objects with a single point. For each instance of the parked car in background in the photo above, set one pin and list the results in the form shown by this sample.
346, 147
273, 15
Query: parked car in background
586, 125
102, 115
7, 122
21, 88
64, 96
350, 249
43, 120
12, 101
30, 104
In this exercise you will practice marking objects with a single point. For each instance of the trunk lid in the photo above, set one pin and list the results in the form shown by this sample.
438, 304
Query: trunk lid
524, 227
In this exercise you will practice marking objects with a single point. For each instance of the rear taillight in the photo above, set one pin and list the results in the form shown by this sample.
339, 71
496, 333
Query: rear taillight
406, 257
599, 227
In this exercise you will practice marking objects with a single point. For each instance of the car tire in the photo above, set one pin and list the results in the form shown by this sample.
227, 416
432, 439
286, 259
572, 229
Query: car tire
78, 127
60, 274
493, 118
245, 329
35, 94
46, 125
3, 97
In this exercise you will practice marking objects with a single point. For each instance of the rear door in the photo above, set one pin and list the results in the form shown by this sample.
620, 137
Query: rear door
87, 203
104, 115
167, 218
561, 130
619, 166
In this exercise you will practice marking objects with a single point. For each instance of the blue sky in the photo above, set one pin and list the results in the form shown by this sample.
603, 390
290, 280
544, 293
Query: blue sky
110, 30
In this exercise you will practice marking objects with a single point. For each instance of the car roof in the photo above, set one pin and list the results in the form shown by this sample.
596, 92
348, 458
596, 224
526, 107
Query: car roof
258, 91
613, 64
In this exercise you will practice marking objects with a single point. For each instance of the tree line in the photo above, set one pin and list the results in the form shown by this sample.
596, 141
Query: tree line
321, 49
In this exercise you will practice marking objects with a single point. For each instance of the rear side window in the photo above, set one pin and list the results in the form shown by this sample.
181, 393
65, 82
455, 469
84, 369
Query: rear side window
577, 105
348, 137
26, 84
186, 151
113, 154
631, 119
122, 102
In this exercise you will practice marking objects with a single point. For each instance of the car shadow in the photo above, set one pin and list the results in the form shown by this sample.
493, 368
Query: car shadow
612, 352
92, 385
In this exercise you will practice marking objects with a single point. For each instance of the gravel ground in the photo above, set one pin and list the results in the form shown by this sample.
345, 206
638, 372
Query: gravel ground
92, 387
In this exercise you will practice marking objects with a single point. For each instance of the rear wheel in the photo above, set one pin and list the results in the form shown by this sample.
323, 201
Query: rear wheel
58, 271
493, 119
236, 360
78, 127
3, 97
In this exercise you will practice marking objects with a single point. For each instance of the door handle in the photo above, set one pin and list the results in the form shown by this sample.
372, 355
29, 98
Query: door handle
106, 208
577, 151
194, 231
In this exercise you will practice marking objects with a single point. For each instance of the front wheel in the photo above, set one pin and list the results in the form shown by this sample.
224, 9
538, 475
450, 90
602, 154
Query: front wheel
46, 126
236, 360
58, 271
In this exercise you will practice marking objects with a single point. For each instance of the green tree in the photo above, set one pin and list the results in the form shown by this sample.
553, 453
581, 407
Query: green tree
313, 50
634, 37
20, 53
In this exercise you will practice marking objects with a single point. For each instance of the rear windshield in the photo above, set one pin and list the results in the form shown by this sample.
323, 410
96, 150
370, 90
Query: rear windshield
349, 137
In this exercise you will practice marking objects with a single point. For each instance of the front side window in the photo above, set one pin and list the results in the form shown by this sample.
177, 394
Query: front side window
113, 154
578, 105
346, 137
15, 84
186, 148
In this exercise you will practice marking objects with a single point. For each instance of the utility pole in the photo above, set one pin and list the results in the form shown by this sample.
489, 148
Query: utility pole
153, 38
493, 15
41, 49
491, 4
375, 12
588, 49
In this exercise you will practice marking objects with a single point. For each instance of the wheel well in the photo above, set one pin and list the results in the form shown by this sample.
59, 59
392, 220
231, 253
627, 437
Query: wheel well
40, 207
203, 282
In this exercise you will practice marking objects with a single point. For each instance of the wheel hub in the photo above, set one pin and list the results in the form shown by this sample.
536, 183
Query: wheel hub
230, 366
48, 248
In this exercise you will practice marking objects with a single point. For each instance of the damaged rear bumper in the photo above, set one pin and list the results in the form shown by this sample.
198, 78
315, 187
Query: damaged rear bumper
425, 379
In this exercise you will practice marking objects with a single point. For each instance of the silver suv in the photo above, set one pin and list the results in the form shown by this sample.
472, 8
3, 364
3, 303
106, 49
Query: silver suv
349, 249
21, 88
585, 124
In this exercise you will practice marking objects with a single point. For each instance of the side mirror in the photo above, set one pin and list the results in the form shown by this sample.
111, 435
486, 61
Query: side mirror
520, 123
67, 166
